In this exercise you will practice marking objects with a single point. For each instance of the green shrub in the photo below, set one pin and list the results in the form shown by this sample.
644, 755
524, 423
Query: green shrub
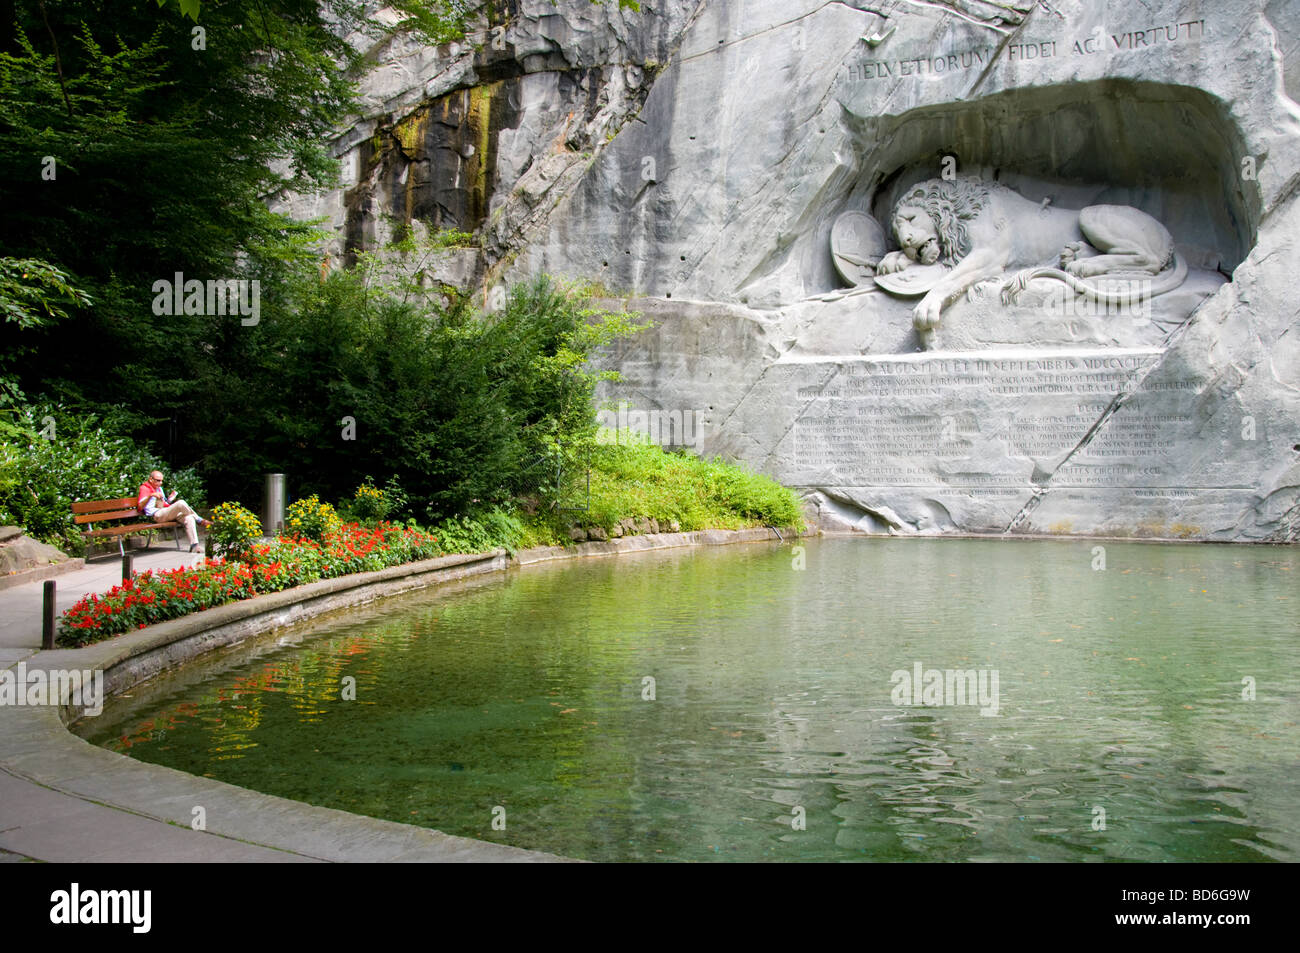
371, 504
457, 405
233, 529
310, 518
79, 458
639, 479
491, 529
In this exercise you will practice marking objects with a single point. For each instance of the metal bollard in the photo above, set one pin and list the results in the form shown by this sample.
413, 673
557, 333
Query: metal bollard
47, 616
273, 508
128, 573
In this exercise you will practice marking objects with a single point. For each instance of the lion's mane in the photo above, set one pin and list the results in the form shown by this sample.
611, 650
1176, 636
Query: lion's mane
950, 205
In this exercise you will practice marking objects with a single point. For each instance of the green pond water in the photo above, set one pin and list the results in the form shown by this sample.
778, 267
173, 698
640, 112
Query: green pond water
776, 731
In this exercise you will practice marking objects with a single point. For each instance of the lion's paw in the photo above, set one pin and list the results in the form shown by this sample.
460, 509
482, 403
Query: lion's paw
1085, 268
894, 261
1013, 287
1071, 252
925, 316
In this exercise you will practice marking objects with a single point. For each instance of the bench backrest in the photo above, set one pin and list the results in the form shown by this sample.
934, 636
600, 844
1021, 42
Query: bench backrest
96, 511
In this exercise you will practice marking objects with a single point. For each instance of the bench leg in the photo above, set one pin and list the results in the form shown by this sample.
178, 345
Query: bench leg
176, 536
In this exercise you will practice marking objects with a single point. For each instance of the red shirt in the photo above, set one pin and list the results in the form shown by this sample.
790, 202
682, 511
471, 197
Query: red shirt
147, 490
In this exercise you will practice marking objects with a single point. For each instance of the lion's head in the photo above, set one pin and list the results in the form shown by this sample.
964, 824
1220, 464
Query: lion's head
948, 206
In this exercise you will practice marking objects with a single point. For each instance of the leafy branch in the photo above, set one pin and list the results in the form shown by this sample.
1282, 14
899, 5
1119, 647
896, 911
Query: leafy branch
34, 292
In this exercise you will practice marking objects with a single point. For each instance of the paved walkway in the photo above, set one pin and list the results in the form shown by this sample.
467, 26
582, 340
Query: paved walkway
60, 828
46, 824
20, 606
64, 800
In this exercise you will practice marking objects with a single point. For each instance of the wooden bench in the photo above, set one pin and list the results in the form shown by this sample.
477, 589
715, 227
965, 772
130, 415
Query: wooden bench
89, 512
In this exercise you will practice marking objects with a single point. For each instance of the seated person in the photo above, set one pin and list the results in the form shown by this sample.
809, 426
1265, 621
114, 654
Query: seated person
163, 509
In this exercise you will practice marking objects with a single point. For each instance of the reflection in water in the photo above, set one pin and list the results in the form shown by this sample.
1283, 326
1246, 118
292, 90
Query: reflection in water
1123, 730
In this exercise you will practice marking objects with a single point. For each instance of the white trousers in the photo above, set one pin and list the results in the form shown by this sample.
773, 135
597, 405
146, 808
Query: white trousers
179, 511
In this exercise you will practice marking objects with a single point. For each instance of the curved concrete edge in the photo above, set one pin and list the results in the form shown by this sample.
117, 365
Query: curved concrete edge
36, 747
133, 657
836, 533
641, 544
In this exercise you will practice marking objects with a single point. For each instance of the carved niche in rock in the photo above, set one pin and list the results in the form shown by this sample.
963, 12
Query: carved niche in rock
954, 235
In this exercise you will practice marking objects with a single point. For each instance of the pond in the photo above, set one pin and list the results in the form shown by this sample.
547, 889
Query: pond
766, 702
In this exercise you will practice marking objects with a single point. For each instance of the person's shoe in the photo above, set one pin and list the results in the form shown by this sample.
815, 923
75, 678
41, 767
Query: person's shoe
194, 547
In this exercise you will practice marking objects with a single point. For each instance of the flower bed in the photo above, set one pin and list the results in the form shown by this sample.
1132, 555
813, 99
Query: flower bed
267, 567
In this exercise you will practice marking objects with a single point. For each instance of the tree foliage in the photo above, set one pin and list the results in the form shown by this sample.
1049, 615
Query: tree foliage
33, 293
462, 408
132, 149
78, 457
140, 141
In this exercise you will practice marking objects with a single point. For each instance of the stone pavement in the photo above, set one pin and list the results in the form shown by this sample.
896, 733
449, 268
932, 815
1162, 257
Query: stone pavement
61, 828
43, 823
66, 801
20, 606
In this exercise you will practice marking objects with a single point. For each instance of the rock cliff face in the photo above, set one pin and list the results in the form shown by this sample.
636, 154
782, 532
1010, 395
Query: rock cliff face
695, 158
487, 135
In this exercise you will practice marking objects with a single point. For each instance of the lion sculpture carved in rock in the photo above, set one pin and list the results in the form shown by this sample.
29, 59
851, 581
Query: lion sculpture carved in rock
982, 230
